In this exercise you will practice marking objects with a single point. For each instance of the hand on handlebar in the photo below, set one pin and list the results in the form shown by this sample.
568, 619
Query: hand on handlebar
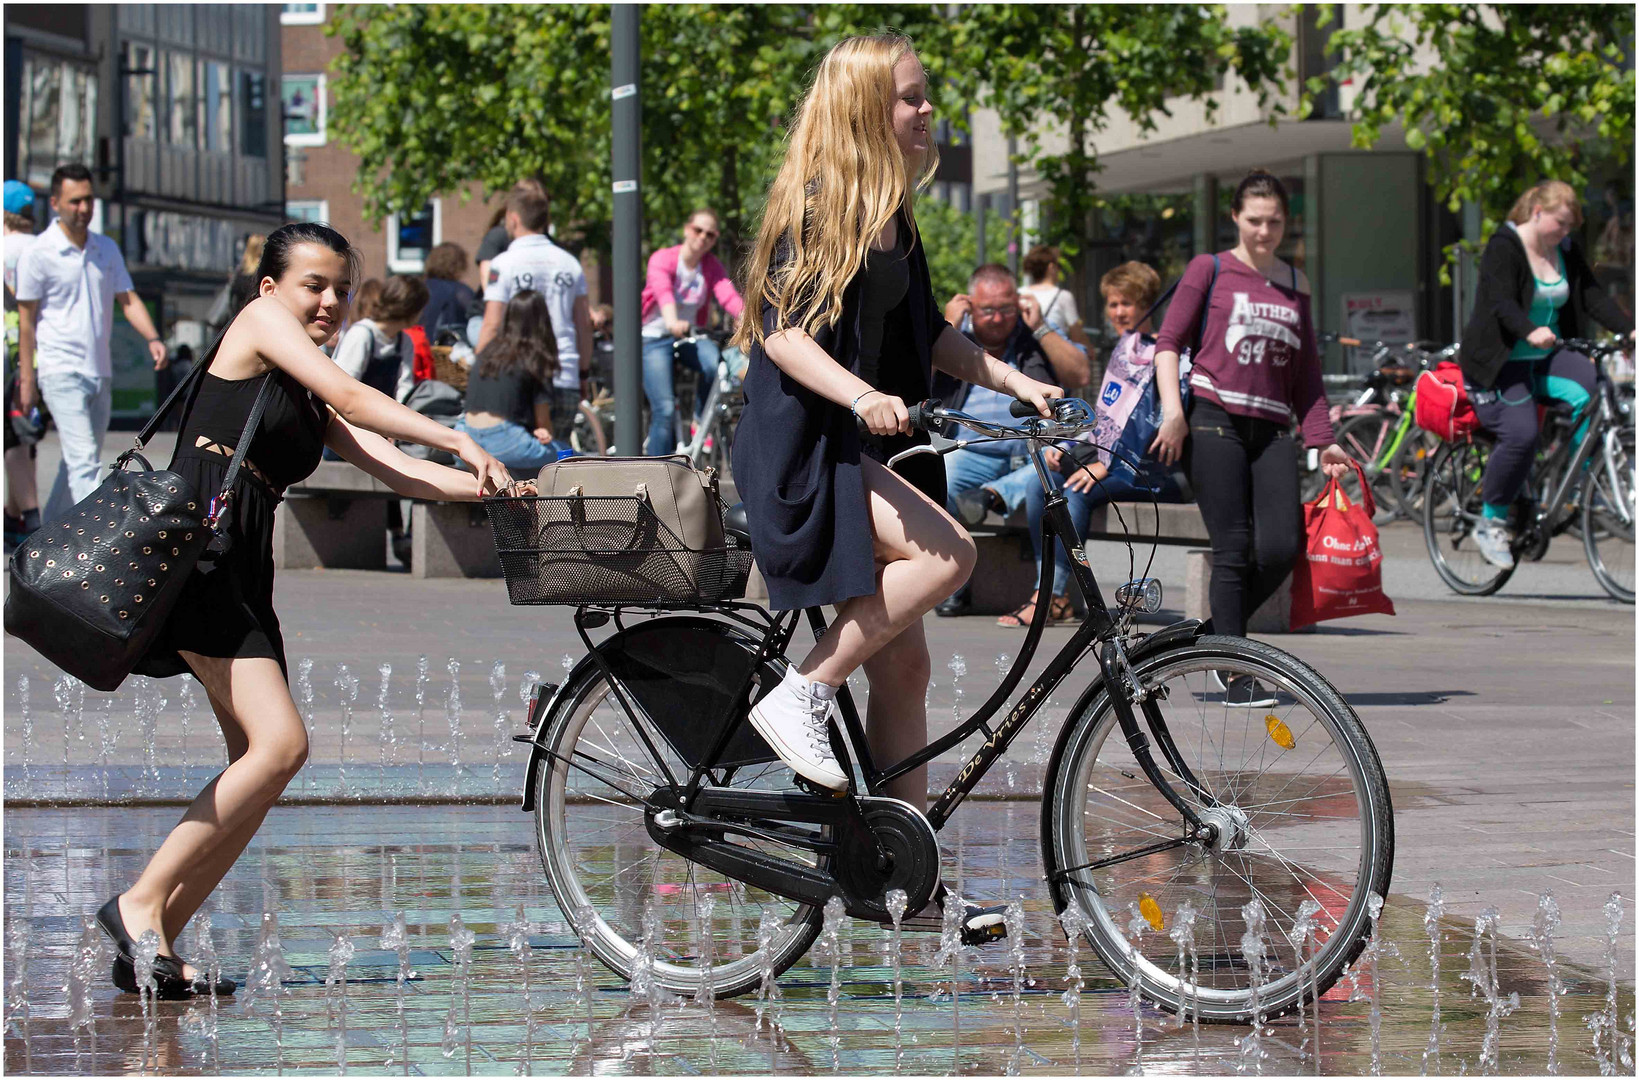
1029, 390
1542, 338
883, 414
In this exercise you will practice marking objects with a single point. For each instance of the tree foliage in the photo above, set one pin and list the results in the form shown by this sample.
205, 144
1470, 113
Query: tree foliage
1497, 97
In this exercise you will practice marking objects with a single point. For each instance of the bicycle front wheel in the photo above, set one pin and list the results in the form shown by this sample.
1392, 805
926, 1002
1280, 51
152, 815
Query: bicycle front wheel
610, 877
1608, 510
1303, 819
1452, 506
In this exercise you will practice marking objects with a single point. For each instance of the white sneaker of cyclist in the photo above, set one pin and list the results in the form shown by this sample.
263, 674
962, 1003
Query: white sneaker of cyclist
794, 719
1495, 541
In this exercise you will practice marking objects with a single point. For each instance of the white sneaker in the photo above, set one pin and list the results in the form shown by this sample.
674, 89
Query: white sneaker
794, 720
1495, 541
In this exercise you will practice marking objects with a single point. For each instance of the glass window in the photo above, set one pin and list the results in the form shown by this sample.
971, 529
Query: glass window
182, 128
216, 107
411, 236
141, 78
303, 100
79, 115
253, 98
307, 210
299, 14
42, 82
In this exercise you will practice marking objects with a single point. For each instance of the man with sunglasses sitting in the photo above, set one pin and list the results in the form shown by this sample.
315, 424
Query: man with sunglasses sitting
1010, 326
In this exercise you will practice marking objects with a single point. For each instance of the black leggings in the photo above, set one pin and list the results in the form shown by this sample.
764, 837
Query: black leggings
1245, 475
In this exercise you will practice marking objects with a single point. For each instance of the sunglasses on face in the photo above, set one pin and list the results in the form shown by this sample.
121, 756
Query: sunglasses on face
709, 234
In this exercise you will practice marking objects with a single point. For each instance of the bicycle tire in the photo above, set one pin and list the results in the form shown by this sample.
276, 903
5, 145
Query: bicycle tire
1613, 567
594, 848
1363, 438
1451, 503
1098, 803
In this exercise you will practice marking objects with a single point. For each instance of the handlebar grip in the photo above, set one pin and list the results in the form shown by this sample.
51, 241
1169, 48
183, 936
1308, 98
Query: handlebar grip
1022, 409
916, 413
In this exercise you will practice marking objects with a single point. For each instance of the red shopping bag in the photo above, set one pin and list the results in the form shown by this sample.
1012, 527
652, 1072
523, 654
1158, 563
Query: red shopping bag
1341, 573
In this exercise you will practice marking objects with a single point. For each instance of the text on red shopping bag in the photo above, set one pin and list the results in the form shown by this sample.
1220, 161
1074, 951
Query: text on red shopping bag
1341, 573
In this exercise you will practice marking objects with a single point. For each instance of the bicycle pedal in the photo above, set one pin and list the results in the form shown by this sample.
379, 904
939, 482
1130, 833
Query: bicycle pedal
811, 788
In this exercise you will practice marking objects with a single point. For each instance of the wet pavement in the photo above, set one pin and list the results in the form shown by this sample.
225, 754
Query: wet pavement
479, 861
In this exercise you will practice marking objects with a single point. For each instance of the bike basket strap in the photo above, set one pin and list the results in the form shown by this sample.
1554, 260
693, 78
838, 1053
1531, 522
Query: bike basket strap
662, 543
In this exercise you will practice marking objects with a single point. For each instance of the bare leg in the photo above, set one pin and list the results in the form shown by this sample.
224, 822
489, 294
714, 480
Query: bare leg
254, 693
22, 495
924, 556
896, 716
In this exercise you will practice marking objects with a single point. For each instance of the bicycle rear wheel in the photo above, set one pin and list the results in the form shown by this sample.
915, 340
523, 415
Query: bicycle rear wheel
1363, 438
1303, 812
1408, 470
590, 803
1451, 509
1608, 511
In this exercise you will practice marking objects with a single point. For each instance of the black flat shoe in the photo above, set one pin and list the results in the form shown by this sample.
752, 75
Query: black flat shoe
958, 605
172, 984
108, 918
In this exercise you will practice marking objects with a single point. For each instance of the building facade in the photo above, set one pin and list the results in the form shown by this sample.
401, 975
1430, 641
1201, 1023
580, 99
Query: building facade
172, 108
319, 172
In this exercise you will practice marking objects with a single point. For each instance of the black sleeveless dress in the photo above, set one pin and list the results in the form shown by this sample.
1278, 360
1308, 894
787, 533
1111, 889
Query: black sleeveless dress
226, 607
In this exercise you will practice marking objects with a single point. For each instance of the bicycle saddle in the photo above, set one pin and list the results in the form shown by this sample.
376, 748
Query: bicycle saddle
734, 522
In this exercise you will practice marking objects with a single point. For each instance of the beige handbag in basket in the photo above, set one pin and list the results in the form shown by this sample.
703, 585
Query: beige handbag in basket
682, 498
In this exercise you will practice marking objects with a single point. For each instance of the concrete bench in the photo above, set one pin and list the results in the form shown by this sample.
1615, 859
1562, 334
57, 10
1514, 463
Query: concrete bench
337, 518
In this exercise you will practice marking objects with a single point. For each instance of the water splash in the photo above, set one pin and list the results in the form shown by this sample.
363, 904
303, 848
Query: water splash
208, 962
706, 948
830, 942
396, 937
1431, 924
27, 718
144, 954
896, 901
1612, 1048
304, 693
1542, 939
452, 713
348, 685
1189, 967
1074, 923
461, 942
1370, 957
265, 985
768, 988
517, 934
190, 703
1014, 919
497, 691
1010, 768
19, 937
1137, 923
335, 983
422, 677
958, 668
950, 952
1482, 975
388, 735
85, 971
585, 922
1252, 949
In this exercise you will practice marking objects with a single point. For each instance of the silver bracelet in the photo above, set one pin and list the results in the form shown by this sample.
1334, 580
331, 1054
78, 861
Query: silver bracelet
854, 408
1043, 330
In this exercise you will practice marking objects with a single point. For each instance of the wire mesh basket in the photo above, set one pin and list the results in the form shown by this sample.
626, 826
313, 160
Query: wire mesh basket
607, 549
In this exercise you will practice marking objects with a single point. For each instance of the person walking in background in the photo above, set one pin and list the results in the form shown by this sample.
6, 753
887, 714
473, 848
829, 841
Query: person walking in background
1257, 369
1058, 306
682, 282
22, 493
496, 239
1535, 288
535, 263
448, 296
67, 284
509, 393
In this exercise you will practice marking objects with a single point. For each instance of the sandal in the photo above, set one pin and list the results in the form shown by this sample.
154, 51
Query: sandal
1058, 611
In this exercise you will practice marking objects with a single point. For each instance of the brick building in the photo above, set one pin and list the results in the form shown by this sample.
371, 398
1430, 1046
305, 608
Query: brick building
319, 173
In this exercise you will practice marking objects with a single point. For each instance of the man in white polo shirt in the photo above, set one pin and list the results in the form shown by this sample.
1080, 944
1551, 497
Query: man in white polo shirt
533, 261
67, 283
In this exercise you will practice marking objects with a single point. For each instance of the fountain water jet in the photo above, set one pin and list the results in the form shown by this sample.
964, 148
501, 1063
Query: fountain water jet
1013, 917
461, 942
1611, 1046
1482, 975
1189, 966
335, 982
896, 902
142, 964
706, 995
1252, 949
452, 713
85, 971
388, 735
1431, 924
1074, 922
517, 933
1542, 939
830, 943
397, 938
497, 690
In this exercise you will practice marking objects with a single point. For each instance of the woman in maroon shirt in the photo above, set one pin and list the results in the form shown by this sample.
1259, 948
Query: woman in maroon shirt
1257, 368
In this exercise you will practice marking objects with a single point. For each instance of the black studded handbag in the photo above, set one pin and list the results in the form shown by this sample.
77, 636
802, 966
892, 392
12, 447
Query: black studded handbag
90, 592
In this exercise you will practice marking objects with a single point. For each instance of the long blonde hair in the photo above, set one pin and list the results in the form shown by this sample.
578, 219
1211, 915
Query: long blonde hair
843, 178
1548, 195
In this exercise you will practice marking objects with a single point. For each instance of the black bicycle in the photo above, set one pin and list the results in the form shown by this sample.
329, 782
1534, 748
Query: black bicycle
1577, 481
1162, 802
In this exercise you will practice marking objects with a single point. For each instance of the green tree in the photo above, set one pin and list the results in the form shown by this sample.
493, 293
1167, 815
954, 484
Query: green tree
1078, 64
951, 243
1496, 96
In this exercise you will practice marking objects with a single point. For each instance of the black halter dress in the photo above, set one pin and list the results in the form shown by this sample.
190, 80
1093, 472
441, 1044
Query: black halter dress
226, 608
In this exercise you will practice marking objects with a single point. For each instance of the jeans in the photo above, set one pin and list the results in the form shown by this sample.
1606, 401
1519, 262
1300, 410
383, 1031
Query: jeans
514, 446
662, 395
1509, 411
969, 469
1081, 507
80, 406
1245, 475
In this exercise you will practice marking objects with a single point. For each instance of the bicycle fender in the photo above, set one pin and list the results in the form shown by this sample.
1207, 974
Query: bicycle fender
1179, 633
635, 645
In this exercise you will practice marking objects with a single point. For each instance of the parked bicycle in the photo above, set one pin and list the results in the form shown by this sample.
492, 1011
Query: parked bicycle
708, 439
651, 792
1582, 483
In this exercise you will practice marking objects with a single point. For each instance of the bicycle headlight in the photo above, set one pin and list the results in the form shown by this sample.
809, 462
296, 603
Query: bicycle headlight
1143, 594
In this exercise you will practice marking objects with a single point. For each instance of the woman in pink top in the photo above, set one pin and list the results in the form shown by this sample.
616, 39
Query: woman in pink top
682, 282
1256, 371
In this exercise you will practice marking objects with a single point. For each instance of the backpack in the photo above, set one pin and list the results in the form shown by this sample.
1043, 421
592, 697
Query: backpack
1443, 407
